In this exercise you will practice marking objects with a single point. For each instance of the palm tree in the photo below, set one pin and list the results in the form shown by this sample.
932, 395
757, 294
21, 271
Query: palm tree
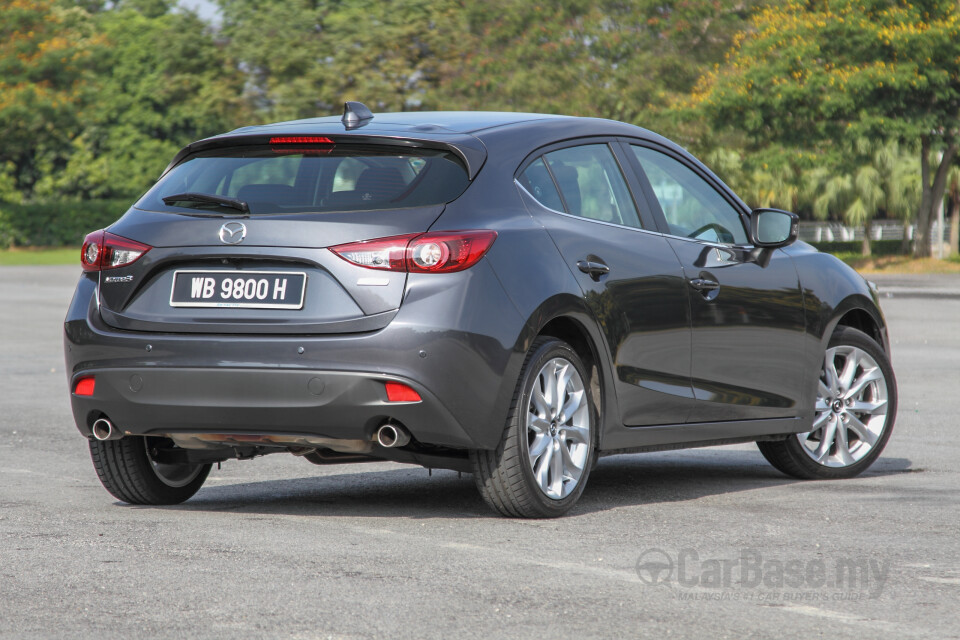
728, 164
774, 187
760, 186
888, 182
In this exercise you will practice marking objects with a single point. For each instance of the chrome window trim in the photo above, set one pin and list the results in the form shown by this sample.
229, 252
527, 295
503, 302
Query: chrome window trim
711, 243
570, 215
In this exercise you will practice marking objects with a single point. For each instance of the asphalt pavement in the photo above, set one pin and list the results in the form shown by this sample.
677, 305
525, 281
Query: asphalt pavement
709, 543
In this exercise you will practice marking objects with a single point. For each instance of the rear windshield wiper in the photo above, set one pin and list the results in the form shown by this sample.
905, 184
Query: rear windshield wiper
207, 198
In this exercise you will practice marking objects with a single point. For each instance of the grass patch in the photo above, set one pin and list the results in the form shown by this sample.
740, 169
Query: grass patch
900, 264
40, 256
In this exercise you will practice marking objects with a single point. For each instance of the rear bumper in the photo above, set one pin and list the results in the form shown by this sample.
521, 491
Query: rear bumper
332, 404
454, 340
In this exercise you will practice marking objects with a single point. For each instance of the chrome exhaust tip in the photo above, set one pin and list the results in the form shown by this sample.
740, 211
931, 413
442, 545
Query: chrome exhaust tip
392, 435
103, 429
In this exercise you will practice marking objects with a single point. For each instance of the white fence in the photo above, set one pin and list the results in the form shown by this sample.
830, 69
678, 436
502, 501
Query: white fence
817, 232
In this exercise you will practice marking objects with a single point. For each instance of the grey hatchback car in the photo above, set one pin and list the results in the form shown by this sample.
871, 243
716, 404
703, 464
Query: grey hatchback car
510, 295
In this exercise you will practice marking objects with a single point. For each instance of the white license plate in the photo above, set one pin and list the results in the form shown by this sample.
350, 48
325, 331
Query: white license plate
238, 289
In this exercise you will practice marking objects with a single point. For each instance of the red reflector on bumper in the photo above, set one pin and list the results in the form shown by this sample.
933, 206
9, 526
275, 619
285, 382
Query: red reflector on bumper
85, 387
398, 392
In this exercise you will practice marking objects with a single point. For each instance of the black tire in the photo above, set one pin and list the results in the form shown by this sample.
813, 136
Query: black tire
126, 471
504, 476
791, 457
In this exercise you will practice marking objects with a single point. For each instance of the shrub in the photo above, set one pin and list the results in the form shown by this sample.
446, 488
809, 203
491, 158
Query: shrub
877, 247
52, 224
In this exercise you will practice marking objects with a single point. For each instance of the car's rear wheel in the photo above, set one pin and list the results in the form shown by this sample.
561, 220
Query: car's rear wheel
545, 454
128, 471
855, 410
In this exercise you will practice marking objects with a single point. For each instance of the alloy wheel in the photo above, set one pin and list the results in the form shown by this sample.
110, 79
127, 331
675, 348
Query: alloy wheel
851, 408
558, 428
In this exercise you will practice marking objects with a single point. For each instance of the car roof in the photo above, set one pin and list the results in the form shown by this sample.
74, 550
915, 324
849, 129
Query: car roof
422, 123
471, 134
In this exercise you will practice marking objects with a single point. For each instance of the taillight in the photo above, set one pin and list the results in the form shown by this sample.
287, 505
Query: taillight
438, 252
445, 252
102, 250
388, 254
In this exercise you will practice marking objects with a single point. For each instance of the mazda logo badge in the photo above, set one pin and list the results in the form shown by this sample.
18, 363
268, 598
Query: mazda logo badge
233, 233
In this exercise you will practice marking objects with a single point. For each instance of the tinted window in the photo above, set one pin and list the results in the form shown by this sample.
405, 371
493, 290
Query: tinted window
692, 207
538, 182
592, 185
344, 178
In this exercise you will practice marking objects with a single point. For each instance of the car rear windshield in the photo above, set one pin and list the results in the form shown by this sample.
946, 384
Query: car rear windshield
279, 180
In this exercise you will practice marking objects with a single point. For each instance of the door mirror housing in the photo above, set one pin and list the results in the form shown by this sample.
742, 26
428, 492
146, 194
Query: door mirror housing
773, 228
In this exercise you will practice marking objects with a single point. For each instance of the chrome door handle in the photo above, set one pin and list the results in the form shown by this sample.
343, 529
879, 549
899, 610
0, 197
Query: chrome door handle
593, 269
704, 285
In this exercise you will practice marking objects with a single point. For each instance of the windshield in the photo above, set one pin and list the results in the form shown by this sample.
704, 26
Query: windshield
278, 180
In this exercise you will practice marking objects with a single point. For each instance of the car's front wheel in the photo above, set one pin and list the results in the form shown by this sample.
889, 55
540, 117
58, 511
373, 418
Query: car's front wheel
129, 472
545, 454
853, 417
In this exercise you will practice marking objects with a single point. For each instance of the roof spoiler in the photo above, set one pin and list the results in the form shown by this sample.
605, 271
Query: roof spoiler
468, 148
356, 115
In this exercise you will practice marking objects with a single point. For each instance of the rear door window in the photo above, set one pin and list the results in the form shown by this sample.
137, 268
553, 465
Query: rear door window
592, 185
273, 180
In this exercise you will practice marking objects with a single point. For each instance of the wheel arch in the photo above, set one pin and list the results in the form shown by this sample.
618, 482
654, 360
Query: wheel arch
836, 295
859, 319
576, 335
861, 313
567, 318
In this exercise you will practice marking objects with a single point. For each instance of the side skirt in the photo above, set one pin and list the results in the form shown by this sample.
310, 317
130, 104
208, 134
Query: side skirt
704, 434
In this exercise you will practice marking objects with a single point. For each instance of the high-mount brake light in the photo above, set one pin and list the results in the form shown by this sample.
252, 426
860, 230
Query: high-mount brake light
437, 252
301, 140
103, 250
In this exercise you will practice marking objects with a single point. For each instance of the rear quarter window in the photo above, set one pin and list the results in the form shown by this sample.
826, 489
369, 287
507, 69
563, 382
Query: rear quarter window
538, 182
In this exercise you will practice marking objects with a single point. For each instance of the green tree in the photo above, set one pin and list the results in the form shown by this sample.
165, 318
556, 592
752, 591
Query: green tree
818, 72
774, 176
163, 81
774, 186
305, 58
887, 182
622, 59
525, 56
618, 59
276, 44
391, 55
46, 53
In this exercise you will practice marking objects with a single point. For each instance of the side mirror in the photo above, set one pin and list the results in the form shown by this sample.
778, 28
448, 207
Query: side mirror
773, 228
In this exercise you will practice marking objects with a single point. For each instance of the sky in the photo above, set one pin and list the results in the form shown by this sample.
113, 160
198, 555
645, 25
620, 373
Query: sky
205, 9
